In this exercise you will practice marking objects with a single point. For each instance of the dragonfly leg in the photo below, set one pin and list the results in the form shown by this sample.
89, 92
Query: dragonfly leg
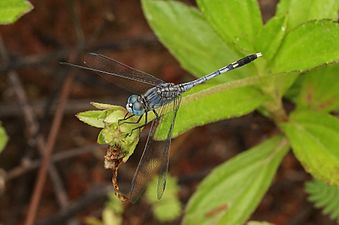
155, 113
126, 117
141, 126
136, 122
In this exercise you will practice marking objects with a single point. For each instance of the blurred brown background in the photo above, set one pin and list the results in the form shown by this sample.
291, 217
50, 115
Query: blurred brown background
34, 87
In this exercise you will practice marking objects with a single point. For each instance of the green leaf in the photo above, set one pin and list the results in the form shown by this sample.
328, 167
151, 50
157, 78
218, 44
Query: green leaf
197, 110
168, 208
200, 50
94, 118
325, 197
99, 105
11, 10
236, 21
270, 37
207, 103
319, 89
232, 191
187, 35
314, 139
296, 13
121, 136
3, 138
268, 42
308, 46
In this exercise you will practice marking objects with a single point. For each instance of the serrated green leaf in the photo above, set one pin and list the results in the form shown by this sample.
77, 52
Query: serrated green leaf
223, 106
268, 42
188, 36
319, 89
314, 139
308, 46
269, 38
236, 21
296, 13
200, 50
325, 197
93, 118
3, 138
233, 190
11, 10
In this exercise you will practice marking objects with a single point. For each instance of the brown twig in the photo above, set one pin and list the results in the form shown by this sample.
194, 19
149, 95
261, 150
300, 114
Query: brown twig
31, 214
29, 165
96, 195
33, 127
65, 91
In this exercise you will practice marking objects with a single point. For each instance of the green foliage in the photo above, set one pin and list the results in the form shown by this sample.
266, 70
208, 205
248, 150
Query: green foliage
237, 22
231, 192
191, 44
314, 139
194, 52
222, 105
294, 10
318, 89
269, 38
300, 62
112, 133
324, 197
3, 138
94, 118
168, 208
302, 49
11, 10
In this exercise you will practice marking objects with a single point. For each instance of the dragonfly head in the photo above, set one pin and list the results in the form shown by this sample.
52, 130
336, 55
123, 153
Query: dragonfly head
135, 106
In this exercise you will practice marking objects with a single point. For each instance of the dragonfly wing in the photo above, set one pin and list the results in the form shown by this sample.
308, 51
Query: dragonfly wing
148, 165
120, 74
165, 150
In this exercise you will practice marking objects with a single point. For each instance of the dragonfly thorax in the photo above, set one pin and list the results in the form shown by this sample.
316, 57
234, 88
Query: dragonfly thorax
135, 105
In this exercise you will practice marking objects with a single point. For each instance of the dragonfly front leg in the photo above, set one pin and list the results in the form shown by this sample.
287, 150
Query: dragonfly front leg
126, 117
155, 113
141, 126
136, 122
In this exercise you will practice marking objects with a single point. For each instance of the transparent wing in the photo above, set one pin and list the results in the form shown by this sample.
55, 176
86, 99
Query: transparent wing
120, 74
148, 165
165, 150
155, 157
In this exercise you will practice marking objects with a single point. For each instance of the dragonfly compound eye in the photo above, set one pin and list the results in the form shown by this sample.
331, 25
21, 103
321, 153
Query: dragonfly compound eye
138, 109
132, 99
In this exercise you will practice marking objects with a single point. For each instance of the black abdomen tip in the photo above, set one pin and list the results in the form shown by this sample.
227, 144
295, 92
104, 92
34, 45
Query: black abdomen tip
248, 59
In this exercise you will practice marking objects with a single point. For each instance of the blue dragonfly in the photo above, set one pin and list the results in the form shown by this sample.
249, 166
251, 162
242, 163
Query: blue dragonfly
151, 95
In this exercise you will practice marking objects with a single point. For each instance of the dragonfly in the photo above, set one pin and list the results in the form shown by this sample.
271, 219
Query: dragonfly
151, 94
